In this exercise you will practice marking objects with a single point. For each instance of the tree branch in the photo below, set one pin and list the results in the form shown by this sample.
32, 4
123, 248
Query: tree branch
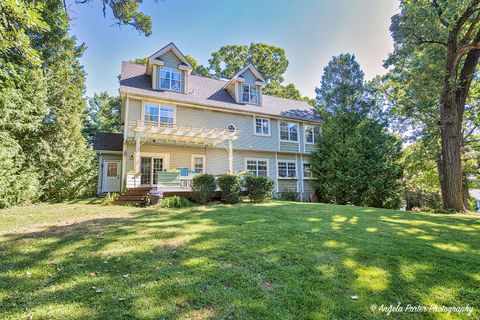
440, 13
463, 19
469, 32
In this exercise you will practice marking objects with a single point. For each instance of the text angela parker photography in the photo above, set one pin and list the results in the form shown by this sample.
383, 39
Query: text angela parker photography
412, 308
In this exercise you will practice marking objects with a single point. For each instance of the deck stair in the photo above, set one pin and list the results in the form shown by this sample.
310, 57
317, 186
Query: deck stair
134, 196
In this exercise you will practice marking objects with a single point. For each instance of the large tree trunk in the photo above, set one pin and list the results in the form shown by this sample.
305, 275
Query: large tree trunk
451, 177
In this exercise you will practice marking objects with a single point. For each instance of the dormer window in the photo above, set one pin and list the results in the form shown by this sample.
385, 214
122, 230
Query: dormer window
170, 79
249, 93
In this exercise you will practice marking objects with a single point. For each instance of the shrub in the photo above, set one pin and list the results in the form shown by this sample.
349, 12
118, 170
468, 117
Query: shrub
203, 187
288, 195
259, 188
231, 186
109, 199
425, 200
175, 202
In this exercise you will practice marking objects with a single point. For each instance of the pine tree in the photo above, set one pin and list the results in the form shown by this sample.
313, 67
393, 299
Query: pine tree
65, 160
357, 159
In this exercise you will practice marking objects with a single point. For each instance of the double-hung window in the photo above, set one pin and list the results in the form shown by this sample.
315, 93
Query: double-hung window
307, 173
249, 93
287, 169
258, 167
158, 114
289, 131
311, 132
170, 79
262, 126
198, 163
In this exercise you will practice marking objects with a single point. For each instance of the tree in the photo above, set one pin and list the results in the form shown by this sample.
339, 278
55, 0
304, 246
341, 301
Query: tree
198, 69
357, 159
447, 33
289, 91
65, 161
270, 61
103, 115
125, 12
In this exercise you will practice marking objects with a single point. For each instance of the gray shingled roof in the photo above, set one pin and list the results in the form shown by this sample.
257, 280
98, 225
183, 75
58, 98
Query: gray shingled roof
209, 92
108, 141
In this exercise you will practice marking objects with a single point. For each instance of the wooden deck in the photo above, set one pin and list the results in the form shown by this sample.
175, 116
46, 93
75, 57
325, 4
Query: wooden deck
140, 195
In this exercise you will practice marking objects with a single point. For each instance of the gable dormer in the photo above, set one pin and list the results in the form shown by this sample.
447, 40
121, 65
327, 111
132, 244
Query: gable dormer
246, 86
169, 69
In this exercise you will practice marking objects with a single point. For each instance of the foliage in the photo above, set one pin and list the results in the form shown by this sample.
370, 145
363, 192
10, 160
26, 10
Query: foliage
420, 179
231, 187
431, 85
288, 91
203, 187
103, 115
259, 188
17, 18
139, 61
109, 199
125, 12
198, 69
288, 195
269, 60
45, 155
175, 202
357, 159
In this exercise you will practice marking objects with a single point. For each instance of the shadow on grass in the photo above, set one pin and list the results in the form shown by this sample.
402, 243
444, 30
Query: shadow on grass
277, 260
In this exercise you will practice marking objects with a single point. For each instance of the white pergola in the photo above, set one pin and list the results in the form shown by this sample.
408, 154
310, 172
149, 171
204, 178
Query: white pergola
182, 135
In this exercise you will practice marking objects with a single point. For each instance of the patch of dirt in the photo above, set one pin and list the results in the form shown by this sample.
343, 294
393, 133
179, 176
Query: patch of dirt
266, 285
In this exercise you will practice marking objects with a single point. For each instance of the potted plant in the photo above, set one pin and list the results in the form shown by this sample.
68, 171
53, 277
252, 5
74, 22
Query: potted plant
155, 196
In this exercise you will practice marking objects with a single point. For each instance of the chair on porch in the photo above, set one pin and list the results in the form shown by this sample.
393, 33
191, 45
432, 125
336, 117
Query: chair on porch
168, 180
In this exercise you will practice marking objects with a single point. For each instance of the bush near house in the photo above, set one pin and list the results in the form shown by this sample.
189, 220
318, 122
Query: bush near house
288, 195
175, 202
231, 186
259, 188
203, 187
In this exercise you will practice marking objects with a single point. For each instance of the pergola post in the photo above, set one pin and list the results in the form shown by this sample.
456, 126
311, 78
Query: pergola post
136, 164
230, 156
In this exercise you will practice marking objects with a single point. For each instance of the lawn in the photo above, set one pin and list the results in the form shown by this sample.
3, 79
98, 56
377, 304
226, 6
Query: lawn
278, 260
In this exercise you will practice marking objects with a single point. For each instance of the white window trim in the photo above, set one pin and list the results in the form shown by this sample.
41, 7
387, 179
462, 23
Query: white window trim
303, 172
192, 163
296, 170
288, 140
249, 93
159, 104
259, 159
255, 127
305, 133
159, 79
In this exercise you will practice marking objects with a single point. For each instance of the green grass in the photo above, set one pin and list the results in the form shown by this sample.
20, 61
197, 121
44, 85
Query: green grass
278, 260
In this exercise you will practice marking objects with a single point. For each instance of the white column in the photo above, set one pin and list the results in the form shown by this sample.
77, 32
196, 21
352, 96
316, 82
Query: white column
136, 164
230, 156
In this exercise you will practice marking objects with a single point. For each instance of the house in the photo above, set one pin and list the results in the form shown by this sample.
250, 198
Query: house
475, 194
175, 120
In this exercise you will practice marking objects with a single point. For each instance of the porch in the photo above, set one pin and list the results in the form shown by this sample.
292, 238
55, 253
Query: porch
166, 156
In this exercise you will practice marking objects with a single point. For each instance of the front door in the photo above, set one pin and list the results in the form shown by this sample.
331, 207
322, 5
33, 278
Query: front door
111, 176
150, 166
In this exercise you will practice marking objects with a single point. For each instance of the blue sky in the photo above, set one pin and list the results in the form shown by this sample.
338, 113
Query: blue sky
311, 32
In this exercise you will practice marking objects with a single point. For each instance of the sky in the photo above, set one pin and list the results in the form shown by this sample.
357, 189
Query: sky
310, 31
